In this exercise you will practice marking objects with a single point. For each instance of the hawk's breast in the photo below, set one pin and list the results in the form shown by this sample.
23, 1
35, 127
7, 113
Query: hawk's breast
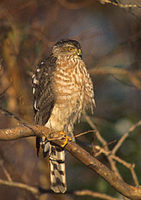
73, 90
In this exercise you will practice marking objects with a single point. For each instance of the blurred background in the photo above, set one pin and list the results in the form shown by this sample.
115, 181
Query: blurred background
111, 41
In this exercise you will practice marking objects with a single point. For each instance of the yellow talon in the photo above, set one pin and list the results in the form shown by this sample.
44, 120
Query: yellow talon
67, 138
43, 138
62, 133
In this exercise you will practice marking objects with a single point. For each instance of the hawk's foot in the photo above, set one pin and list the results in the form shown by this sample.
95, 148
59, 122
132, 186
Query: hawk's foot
66, 138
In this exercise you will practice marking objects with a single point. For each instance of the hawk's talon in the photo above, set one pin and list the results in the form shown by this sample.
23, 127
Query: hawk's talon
67, 138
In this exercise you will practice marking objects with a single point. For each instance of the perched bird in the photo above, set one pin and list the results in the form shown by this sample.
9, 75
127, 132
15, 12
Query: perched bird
62, 90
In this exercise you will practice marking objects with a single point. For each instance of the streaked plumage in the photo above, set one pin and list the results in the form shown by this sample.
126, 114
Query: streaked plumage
62, 90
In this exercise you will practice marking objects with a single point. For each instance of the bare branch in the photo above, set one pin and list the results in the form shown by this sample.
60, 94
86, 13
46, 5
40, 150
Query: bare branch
123, 138
5, 171
24, 131
117, 3
9, 114
101, 139
78, 152
37, 191
134, 176
34, 190
84, 133
105, 146
110, 156
74, 6
116, 158
94, 194
133, 77
4, 91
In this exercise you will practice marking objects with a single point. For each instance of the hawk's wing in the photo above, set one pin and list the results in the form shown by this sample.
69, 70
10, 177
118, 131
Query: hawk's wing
44, 98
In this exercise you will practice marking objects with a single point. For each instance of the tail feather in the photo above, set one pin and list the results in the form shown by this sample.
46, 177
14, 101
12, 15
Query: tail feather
57, 169
57, 164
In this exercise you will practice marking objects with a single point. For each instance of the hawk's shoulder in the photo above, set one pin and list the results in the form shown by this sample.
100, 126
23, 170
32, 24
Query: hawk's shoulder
44, 97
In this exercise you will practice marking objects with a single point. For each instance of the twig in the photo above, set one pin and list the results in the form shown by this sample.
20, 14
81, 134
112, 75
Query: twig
117, 71
117, 3
84, 133
6, 112
94, 194
78, 5
116, 158
134, 176
78, 152
4, 91
123, 138
34, 190
108, 153
104, 143
38, 191
105, 146
5, 171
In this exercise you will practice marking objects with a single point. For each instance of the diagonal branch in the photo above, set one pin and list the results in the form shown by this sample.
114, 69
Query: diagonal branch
37, 191
123, 138
31, 189
5, 171
94, 194
78, 152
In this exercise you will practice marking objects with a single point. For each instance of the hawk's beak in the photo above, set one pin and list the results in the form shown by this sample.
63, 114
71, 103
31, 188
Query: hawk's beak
79, 53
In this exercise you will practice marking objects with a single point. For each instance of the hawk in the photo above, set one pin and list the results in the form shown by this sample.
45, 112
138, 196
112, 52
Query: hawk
62, 90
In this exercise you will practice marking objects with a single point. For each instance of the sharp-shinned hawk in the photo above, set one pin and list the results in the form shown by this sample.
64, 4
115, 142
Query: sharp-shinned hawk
62, 91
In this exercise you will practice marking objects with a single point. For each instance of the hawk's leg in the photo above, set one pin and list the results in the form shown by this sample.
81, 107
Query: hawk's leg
44, 143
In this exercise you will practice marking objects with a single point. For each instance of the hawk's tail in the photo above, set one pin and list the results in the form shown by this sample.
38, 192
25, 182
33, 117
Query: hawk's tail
57, 169
57, 163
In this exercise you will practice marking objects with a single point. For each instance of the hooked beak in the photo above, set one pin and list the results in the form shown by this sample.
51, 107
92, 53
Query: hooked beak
79, 53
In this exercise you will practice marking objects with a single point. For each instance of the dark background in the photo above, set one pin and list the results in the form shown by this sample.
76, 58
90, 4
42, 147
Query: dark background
111, 40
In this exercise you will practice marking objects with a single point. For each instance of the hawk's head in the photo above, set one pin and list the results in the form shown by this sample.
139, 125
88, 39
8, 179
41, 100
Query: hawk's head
67, 47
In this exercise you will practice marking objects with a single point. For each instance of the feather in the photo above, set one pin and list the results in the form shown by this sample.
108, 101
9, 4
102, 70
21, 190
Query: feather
62, 90
57, 169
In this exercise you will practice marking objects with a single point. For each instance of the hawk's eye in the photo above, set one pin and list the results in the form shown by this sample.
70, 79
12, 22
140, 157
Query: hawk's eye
70, 49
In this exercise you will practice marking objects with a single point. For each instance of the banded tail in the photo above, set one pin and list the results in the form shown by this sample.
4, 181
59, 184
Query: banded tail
57, 169
57, 164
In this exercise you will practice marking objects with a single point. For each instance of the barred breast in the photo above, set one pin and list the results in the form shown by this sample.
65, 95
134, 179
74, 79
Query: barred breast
74, 93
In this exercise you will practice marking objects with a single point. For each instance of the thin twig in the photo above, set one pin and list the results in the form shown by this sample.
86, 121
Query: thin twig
84, 133
109, 70
116, 158
4, 91
78, 152
99, 137
105, 146
94, 194
8, 113
38, 191
34, 190
5, 171
117, 3
134, 177
75, 5
123, 138
104, 143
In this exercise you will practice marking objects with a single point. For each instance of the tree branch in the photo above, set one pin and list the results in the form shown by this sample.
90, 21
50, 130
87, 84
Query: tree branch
78, 152
37, 191
28, 131
31, 189
123, 138
94, 194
